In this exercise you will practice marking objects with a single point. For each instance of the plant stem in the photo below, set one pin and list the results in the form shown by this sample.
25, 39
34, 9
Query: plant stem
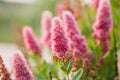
100, 60
115, 51
68, 76
50, 75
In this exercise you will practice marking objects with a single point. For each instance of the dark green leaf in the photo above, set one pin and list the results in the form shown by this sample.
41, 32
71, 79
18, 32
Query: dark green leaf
69, 67
63, 69
78, 75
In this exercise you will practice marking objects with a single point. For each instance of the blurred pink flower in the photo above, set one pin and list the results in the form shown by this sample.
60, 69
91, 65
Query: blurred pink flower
59, 42
4, 74
21, 70
30, 40
46, 27
95, 3
59, 9
90, 56
103, 24
76, 40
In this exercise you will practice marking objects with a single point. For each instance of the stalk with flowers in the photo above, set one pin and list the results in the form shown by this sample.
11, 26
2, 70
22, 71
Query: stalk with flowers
74, 53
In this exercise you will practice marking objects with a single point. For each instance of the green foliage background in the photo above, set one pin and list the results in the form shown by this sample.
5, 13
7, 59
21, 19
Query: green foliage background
22, 14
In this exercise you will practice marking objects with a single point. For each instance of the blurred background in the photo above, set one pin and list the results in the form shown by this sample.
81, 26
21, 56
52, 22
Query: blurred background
20, 13
23, 12
28, 12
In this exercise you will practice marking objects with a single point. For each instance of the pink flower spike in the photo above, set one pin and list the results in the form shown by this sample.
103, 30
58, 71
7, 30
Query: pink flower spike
46, 27
103, 24
59, 42
4, 74
77, 42
59, 9
70, 23
21, 70
90, 56
106, 45
30, 40
104, 15
95, 3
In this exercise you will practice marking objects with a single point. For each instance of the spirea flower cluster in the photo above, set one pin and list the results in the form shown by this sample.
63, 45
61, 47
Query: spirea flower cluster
59, 42
66, 37
95, 3
103, 24
4, 74
76, 40
21, 69
31, 41
65, 43
46, 23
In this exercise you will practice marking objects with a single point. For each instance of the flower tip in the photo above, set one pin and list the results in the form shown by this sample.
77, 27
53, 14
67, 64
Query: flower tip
59, 43
56, 22
46, 21
46, 13
31, 40
26, 29
95, 3
59, 9
16, 55
67, 13
21, 70
103, 24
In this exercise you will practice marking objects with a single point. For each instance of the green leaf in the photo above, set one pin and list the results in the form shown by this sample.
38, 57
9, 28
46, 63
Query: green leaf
78, 75
39, 77
69, 67
66, 67
63, 69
